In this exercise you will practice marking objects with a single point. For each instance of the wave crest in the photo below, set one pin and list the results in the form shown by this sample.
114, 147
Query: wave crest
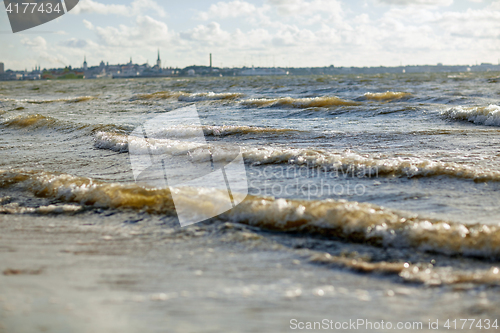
350, 221
481, 115
387, 96
34, 121
349, 163
187, 97
316, 102
67, 100
38, 122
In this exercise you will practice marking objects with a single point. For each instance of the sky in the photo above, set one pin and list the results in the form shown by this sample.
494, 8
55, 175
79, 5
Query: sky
285, 33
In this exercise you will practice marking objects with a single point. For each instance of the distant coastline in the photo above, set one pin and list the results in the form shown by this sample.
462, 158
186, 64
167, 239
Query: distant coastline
130, 70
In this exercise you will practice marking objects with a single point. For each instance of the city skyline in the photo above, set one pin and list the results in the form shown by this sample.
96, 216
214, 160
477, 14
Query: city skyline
264, 33
158, 64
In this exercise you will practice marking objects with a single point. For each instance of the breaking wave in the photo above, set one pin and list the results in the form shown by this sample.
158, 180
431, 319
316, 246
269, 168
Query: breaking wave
67, 100
15, 208
350, 221
386, 96
424, 274
349, 163
316, 102
225, 130
39, 122
209, 97
481, 115
187, 97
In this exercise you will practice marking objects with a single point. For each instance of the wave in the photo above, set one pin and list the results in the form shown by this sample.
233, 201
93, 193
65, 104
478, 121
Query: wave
119, 142
428, 274
346, 163
38, 122
15, 209
159, 95
489, 115
351, 163
316, 102
218, 131
87, 191
386, 96
350, 221
209, 97
108, 135
113, 141
367, 223
67, 100
187, 97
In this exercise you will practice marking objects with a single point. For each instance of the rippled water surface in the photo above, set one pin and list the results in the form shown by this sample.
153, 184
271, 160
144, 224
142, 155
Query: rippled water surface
404, 161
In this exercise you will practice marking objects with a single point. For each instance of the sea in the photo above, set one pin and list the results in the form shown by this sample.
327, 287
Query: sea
394, 177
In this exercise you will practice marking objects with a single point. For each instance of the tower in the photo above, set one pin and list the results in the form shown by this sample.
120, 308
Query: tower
210, 60
85, 63
158, 61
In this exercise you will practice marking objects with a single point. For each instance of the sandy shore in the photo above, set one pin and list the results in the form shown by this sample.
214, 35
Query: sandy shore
75, 274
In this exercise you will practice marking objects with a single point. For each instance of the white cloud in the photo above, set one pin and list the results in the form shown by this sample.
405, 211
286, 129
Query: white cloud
88, 24
137, 7
273, 13
306, 8
228, 9
38, 47
140, 6
293, 36
94, 7
74, 43
210, 34
444, 3
145, 32
294, 32
37, 43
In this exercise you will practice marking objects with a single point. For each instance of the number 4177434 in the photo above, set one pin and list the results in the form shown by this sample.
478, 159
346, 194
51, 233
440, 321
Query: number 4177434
468, 324
32, 7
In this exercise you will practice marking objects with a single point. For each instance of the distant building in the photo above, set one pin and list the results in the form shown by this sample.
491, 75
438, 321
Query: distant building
263, 72
85, 66
2, 68
158, 61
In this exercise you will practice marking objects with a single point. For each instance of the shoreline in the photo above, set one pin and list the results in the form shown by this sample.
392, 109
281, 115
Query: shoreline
62, 273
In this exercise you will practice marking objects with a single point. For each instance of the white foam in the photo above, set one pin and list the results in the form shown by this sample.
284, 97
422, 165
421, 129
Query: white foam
210, 96
489, 115
349, 163
351, 221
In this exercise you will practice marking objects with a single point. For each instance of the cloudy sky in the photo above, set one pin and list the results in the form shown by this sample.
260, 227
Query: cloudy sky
261, 33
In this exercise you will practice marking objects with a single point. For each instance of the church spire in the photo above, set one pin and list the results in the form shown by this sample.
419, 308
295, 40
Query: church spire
158, 62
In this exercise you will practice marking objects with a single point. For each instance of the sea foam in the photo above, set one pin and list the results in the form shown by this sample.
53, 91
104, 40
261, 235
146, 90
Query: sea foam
481, 115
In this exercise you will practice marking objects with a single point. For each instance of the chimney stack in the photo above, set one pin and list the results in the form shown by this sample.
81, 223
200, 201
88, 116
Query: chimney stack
210, 60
